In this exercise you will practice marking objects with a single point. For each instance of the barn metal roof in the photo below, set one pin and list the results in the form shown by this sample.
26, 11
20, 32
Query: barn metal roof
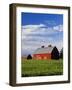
44, 50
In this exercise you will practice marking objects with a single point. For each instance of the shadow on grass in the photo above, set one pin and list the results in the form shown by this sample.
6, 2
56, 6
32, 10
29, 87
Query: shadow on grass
50, 74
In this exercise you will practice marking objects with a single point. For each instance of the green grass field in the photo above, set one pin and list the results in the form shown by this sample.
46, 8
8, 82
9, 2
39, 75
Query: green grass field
41, 67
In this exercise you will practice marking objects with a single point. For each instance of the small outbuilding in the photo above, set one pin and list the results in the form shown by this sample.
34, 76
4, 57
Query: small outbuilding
48, 53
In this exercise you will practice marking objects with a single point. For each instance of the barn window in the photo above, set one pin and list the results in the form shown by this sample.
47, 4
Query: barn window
38, 57
45, 57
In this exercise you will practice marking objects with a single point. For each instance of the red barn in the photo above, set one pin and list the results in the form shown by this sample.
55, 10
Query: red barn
48, 53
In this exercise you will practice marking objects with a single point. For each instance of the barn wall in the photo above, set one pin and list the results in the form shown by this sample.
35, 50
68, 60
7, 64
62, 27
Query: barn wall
42, 56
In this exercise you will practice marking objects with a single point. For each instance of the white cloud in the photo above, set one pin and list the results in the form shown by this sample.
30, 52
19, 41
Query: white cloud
34, 36
39, 30
58, 28
33, 26
31, 29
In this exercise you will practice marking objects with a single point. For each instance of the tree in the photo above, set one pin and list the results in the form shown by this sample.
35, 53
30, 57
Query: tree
29, 57
55, 53
61, 53
42, 46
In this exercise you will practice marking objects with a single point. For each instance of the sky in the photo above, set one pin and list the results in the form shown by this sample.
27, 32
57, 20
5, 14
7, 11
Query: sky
40, 29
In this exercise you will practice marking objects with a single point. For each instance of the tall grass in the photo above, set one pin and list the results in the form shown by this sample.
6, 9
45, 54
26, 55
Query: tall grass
41, 67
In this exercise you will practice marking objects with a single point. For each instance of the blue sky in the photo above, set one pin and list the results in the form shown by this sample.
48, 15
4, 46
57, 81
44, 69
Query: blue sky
41, 29
37, 18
